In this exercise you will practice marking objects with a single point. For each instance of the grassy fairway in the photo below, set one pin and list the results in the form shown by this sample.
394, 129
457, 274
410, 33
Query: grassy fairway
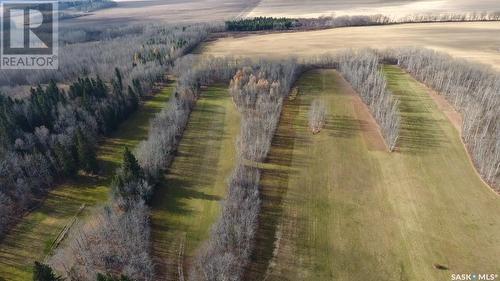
187, 203
339, 207
30, 240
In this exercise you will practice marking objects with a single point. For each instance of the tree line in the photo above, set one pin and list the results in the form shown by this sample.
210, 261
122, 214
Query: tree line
473, 89
361, 70
271, 23
258, 90
258, 93
116, 240
260, 23
157, 151
52, 131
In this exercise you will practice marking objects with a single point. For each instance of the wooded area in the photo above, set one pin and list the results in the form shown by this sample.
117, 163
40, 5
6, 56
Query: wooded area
270, 23
51, 133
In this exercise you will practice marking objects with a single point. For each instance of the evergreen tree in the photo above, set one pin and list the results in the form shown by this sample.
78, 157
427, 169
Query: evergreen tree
137, 87
66, 160
118, 76
101, 89
87, 158
117, 83
43, 272
131, 170
134, 100
6, 121
129, 174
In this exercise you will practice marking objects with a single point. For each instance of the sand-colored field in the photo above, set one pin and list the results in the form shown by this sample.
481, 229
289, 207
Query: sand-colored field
316, 8
336, 208
187, 202
478, 41
169, 11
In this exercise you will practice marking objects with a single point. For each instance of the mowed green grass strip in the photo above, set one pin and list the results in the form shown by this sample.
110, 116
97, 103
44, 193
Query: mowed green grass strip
339, 208
187, 203
32, 237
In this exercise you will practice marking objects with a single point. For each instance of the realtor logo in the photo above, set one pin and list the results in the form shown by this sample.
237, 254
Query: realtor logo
29, 33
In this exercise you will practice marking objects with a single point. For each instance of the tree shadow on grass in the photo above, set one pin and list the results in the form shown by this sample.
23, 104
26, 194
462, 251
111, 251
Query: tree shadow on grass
420, 131
193, 170
340, 126
274, 184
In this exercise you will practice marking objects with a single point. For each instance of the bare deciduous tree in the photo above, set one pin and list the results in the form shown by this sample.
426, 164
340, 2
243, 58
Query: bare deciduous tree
113, 240
361, 69
258, 92
317, 116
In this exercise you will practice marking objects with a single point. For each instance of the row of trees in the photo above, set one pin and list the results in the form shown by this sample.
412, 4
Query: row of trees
156, 152
270, 23
474, 91
258, 93
87, 6
121, 229
260, 23
131, 188
116, 239
53, 133
361, 69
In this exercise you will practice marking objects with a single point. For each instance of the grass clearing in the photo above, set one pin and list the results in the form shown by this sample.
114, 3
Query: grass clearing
337, 209
187, 203
477, 41
32, 237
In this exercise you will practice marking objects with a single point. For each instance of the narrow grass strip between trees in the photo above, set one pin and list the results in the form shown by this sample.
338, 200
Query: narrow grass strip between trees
186, 202
335, 208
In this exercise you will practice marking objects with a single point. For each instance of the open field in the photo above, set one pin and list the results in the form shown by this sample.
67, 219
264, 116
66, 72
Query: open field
316, 8
475, 41
166, 11
31, 239
336, 206
186, 204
